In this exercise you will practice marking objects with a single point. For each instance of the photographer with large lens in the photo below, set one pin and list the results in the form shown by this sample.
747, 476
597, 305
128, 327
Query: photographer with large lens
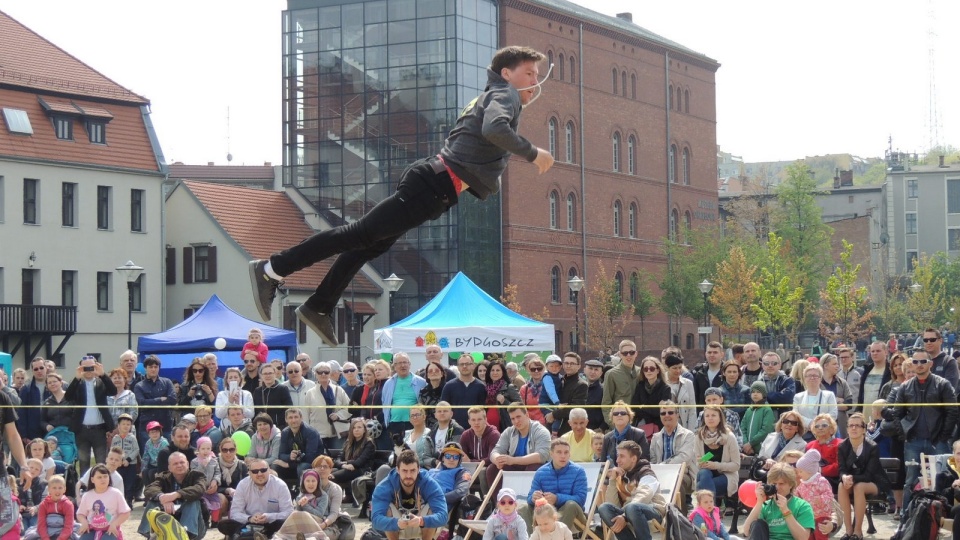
778, 514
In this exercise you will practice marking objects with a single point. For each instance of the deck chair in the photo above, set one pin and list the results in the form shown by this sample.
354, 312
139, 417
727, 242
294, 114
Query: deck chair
475, 469
596, 472
518, 481
930, 467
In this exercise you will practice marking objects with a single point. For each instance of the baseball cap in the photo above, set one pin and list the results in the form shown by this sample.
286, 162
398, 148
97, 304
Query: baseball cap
154, 425
554, 358
189, 418
508, 493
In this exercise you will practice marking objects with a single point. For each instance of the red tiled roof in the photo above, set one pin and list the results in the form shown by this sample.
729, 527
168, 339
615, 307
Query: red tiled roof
59, 107
360, 308
274, 224
97, 112
127, 142
221, 172
28, 60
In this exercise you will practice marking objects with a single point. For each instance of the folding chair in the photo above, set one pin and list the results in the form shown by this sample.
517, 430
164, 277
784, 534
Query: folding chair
670, 475
518, 481
596, 472
475, 469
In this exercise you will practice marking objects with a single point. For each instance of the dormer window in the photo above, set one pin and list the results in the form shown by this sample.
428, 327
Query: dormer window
63, 126
97, 129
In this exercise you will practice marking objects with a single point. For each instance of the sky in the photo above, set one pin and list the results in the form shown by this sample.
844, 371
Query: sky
796, 79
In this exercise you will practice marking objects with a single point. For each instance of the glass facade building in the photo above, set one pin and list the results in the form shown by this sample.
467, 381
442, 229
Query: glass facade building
370, 87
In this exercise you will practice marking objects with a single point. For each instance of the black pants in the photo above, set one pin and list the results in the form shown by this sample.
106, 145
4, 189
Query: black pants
95, 438
759, 530
422, 195
230, 527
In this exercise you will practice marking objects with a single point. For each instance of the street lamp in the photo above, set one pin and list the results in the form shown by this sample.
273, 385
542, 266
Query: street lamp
915, 288
393, 284
576, 285
705, 287
131, 273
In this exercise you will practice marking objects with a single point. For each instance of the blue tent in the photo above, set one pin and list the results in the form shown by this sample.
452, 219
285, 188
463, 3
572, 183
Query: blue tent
462, 317
179, 345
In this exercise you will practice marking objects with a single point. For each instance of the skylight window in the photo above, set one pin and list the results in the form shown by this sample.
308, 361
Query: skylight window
17, 121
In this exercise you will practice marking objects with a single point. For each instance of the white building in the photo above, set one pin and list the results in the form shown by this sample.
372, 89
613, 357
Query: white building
80, 194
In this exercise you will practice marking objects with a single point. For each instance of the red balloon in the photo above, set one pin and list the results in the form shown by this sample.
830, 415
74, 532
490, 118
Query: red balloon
748, 493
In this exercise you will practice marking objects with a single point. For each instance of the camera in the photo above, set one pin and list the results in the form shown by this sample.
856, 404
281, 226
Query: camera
408, 517
770, 490
198, 388
88, 368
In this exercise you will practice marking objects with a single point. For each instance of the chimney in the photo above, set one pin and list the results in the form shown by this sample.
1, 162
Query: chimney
846, 178
267, 164
209, 164
627, 16
836, 179
941, 161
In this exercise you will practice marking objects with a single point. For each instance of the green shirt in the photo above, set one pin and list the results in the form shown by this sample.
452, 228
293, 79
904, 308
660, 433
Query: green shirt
403, 394
779, 530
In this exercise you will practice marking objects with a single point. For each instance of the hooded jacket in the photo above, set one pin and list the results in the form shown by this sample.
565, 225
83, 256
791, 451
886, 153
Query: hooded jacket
475, 447
480, 144
427, 491
49, 506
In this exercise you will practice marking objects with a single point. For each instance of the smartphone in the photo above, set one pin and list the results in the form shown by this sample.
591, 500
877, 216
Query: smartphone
88, 368
233, 386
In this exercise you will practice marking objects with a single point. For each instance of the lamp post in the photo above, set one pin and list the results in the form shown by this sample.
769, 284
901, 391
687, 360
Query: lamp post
576, 285
393, 284
131, 273
705, 287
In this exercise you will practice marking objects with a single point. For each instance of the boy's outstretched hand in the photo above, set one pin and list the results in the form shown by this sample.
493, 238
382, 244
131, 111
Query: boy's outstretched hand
544, 160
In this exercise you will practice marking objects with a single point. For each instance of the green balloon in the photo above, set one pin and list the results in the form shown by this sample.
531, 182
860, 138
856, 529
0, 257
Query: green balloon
243, 442
477, 357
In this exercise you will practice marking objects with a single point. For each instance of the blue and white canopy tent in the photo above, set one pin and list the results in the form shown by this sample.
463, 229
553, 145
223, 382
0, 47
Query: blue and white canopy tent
462, 317
195, 336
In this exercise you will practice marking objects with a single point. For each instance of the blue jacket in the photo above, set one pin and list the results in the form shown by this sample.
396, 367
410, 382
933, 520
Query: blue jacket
29, 418
781, 390
311, 440
568, 483
149, 393
387, 394
429, 492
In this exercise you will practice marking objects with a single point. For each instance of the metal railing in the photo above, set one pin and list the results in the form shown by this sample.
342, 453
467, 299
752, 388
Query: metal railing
32, 319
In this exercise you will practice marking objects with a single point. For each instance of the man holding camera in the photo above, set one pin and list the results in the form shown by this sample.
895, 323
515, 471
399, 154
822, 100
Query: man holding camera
91, 420
408, 505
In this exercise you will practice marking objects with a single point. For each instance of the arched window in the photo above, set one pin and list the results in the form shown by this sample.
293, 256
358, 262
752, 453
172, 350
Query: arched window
623, 82
616, 151
679, 101
686, 166
687, 223
672, 164
572, 273
573, 70
552, 136
616, 75
571, 157
553, 209
632, 221
616, 218
560, 65
674, 218
618, 277
633, 86
549, 59
686, 101
634, 287
670, 97
632, 155
689, 341
571, 213
555, 284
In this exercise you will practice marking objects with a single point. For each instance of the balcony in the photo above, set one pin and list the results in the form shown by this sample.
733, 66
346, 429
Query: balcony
31, 319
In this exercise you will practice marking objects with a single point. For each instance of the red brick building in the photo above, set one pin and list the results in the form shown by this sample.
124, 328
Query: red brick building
631, 119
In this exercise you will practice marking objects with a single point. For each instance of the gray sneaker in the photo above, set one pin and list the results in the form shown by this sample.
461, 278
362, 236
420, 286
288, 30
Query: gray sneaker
264, 288
320, 323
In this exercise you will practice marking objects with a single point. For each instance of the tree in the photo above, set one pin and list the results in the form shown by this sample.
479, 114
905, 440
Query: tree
926, 304
734, 293
797, 219
509, 299
890, 312
777, 306
844, 313
643, 301
608, 314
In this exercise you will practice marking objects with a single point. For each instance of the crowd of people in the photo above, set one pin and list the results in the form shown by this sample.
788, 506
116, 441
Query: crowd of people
250, 453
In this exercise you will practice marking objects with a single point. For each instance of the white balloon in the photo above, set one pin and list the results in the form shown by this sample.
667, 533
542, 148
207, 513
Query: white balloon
220, 343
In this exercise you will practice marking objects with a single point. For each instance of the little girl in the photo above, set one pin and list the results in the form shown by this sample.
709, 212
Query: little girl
506, 523
706, 516
548, 528
53, 444
310, 510
151, 449
816, 490
209, 465
255, 343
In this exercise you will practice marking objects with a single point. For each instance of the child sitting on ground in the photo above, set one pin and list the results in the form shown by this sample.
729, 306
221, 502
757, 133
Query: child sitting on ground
31, 492
55, 516
207, 463
505, 523
151, 449
706, 516
255, 343
548, 527
815, 489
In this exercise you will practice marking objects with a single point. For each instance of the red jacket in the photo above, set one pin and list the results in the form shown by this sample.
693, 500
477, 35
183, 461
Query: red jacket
478, 449
49, 506
828, 455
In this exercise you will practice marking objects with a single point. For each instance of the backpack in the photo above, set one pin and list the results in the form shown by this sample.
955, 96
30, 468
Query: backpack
923, 516
679, 527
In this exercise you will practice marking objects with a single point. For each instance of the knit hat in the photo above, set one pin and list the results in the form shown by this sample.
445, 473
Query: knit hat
713, 391
310, 472
813, 360
759, 386
810, 461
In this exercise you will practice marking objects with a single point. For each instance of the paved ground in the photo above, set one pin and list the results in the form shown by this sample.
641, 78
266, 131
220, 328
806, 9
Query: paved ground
886, 526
